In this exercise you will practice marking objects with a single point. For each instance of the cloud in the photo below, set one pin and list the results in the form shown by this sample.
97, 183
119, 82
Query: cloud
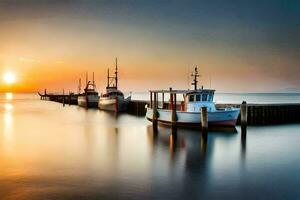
31, 60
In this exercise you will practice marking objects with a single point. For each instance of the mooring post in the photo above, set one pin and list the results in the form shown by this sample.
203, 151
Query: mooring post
204, 120
171, 100
45, 94
63, 97
244, 118
163, 100
174, 114
69, 98
154, 116
151, 103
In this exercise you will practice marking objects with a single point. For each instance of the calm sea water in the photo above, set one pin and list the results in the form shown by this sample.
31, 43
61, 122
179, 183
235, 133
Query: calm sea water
48, 151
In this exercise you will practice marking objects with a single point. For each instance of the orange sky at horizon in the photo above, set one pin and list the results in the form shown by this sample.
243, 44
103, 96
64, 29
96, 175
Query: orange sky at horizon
53, 45
134, 75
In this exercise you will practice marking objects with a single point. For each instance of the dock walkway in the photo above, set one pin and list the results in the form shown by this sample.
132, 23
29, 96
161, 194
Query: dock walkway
257, 114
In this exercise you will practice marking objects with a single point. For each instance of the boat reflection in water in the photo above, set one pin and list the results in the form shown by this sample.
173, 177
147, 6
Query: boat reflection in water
188, 139
191, 155
93, 154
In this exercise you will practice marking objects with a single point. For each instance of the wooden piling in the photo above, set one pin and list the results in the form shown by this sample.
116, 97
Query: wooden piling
151, 103
244, 113
163, 100
204, 119
244, 117
174, 114
69, 98
63, 98
154, 116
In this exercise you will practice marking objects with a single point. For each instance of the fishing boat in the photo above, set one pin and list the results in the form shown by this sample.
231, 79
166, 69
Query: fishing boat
89, 98
113, 99
188, 111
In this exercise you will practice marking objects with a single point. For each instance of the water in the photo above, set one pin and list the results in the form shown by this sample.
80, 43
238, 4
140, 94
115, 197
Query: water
48, 151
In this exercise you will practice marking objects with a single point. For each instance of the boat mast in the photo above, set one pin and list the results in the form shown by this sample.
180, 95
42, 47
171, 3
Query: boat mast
112, 81
86, 78
79, 86
93, 80
107, 78
116, 73
195, 75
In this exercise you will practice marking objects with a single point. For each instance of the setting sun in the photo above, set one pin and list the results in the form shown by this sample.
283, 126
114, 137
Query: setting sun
9, 78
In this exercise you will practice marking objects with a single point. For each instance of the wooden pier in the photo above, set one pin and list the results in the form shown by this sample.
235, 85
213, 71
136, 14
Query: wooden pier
70, 98
257, 114
137, 107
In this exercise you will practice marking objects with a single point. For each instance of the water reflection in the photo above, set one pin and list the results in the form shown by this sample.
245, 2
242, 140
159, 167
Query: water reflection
74, 153
9, 96
7, 115
196, 152
188, 140
203, 142
243, 142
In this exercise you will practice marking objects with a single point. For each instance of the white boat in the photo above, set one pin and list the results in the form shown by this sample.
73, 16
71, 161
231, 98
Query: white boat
89, 98
113, 99
188, 112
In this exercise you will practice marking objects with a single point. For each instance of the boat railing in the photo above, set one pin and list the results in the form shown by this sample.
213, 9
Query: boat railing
157, 98
167, 105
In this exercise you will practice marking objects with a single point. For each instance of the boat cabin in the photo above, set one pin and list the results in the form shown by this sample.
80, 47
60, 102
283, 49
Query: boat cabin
193, 100
90, 88
112, 92
196, 99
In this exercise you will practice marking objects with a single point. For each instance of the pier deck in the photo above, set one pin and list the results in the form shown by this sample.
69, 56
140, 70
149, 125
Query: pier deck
257, 114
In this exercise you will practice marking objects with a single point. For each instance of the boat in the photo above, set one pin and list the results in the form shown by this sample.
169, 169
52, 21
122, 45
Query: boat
89, 98
188, 111
73, 99
113, 99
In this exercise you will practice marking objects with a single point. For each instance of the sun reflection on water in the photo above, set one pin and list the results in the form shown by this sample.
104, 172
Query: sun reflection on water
9, 96
8, 107
7, 126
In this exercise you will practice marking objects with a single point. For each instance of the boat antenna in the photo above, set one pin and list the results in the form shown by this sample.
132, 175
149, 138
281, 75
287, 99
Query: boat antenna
79, 86
116, 73
93, 79
188, 77
107, 77
86, 78
195, 75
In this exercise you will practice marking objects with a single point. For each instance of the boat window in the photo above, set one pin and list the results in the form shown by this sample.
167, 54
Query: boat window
210, 97
198, 97
204, 97
191, 98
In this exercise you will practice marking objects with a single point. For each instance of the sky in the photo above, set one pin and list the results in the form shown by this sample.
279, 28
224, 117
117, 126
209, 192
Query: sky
239, 46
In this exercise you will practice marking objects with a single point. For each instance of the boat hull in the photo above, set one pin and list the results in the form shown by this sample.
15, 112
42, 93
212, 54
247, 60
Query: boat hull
90, 101
193, 119
113, 104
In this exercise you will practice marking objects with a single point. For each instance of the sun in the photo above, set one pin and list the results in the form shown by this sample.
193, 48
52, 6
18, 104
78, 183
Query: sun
9, 78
